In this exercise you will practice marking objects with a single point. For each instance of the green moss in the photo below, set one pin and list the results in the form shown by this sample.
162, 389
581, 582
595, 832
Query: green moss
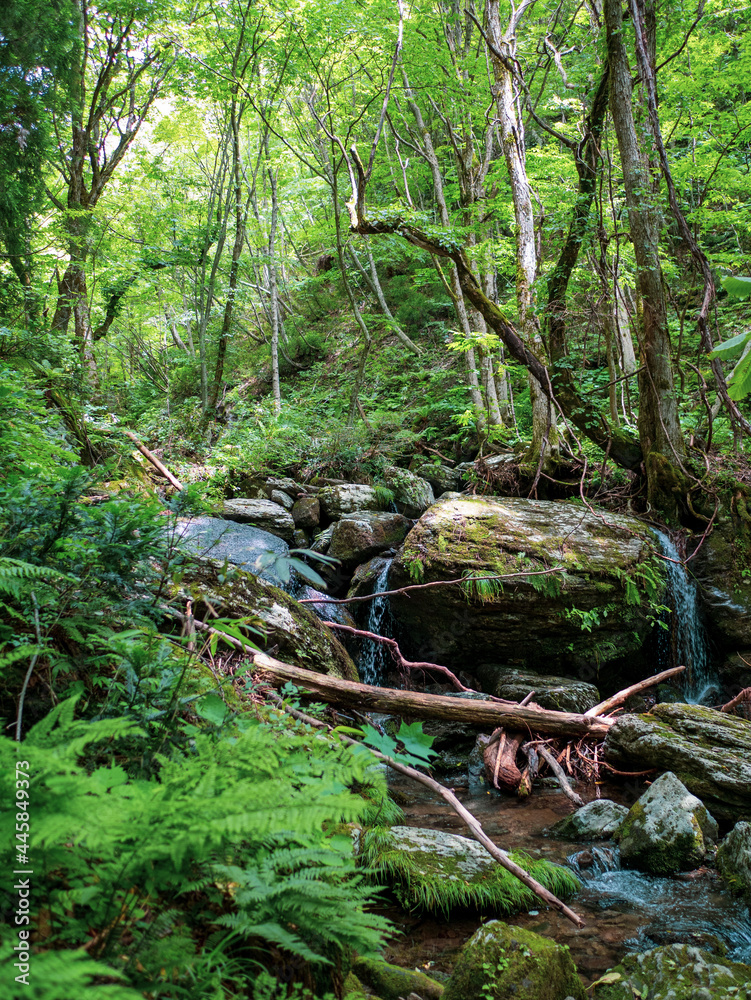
391, 982
440, 885
501, 962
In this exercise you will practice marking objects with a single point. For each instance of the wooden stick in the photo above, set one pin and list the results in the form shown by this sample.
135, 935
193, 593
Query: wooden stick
420, 705
472, 823
159, 466
400, 660
617, 699
744, 695
560, 774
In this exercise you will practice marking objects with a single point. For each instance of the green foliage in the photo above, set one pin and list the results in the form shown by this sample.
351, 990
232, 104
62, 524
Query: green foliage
232, 841
415, 744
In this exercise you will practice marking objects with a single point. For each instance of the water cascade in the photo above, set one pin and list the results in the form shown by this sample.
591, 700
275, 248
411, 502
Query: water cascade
691, 909
686, 642
373, 655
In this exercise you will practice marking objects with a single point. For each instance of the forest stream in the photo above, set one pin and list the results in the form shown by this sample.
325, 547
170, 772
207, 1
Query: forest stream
624, 910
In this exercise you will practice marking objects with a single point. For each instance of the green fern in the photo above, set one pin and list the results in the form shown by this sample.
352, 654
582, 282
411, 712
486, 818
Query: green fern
16, 576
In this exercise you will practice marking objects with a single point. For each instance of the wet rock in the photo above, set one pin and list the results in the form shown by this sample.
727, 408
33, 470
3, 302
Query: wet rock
366, 576
326, 609
560, 693
668, 830
710, 752
306, 512
675, 972
441, 477
265, 514
294, 633
412, 494
239, 544
336, 501
734, 860
524, 623
500, 962
359, 536
597, 820
725, 590
391, 982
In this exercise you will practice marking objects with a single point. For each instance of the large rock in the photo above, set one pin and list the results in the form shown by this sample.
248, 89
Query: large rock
560, 693
668, 830
290, 630
441, 477
719, 566
501, 962
675, 972
240, 544
734, 860
359, 536
534, 622
265, 514
412, 494
597, 820
370, 577
336, 501
306, 512
709, 751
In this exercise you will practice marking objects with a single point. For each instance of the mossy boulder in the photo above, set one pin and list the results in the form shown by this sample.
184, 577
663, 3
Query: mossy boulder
391, 982
675, 972
412, 494
734, 860
441, 872
289, 630
360, 536
563, 694
668, 830
336, 501
443, 478
597, 820
501, 962
608, 564
709, 751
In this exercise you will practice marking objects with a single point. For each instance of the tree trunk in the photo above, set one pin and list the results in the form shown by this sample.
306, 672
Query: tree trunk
659, 427
545, 446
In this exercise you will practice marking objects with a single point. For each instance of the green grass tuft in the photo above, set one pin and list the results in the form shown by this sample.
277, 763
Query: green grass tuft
420, 881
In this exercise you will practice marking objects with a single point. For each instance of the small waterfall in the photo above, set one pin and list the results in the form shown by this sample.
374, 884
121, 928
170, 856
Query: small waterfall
687, 643
374, 655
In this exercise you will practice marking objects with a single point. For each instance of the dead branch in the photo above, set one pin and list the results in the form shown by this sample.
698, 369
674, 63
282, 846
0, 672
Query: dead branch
744, 695
159, 466
473, 824
560, 774
403, 664
617, 699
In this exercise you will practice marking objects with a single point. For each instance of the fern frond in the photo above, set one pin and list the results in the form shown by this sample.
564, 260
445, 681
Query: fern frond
15, 575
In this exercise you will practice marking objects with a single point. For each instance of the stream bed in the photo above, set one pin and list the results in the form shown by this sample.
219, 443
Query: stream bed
624, 910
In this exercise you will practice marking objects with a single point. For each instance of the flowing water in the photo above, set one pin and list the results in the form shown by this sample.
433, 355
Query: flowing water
624, 910
686, 641
372, 663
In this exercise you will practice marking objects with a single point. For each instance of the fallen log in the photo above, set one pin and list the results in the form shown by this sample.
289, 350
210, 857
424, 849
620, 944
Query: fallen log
151, 457
418, 704
499, 757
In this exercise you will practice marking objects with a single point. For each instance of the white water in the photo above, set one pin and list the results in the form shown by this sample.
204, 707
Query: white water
372, 663
686, 643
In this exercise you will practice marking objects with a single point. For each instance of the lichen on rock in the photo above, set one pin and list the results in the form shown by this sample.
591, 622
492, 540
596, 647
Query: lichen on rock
675, 972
